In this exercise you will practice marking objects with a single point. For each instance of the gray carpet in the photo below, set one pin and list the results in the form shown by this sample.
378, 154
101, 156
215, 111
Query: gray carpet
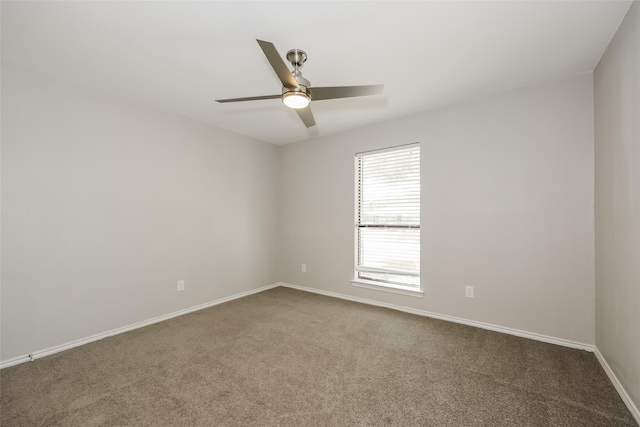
290, 358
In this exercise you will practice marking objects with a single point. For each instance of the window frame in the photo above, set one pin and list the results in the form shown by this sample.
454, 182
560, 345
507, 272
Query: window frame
387, 286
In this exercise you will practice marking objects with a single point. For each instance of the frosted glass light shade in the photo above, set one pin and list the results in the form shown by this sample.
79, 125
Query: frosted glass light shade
296, 99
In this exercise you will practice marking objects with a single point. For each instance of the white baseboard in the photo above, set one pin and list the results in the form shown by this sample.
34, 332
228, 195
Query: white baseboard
56, 349
544, 338
618, 385
482, 325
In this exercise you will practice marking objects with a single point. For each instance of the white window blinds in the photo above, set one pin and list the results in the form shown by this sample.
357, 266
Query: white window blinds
388, 216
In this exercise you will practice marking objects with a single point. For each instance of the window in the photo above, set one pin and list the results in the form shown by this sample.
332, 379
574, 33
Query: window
388, 218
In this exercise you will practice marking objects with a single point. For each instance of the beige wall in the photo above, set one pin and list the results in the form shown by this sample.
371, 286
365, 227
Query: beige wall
507, 206
617, 203
106, 204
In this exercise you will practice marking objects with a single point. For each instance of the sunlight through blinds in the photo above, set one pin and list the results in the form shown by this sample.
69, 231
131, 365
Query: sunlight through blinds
388, 216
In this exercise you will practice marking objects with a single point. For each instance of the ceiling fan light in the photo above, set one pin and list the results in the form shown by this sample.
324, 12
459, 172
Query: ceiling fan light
296, 100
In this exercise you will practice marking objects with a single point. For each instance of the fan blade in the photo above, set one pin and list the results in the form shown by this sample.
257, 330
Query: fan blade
251, 98
306, 116
278, 64
320, 93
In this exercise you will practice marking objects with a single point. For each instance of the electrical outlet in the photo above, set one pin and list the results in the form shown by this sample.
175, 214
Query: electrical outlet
468, 291
180, 285
304, 268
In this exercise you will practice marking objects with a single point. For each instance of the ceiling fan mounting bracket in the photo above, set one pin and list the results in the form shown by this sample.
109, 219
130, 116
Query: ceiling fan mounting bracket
297, 57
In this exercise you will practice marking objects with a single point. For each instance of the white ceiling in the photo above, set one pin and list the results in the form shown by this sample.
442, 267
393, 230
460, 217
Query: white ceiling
181, 56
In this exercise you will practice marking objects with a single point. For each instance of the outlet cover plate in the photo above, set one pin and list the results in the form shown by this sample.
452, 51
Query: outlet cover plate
469, 292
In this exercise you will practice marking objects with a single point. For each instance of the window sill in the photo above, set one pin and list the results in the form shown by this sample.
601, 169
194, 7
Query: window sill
395, 289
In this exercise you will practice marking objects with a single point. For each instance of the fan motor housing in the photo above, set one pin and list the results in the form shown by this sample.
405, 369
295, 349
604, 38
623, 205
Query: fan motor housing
301, 80
301, 89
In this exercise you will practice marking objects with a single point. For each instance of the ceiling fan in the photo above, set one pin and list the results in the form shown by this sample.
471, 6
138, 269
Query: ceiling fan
297, 92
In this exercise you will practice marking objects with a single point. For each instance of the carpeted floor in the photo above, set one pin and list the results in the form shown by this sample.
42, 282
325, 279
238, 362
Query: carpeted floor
290, 358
